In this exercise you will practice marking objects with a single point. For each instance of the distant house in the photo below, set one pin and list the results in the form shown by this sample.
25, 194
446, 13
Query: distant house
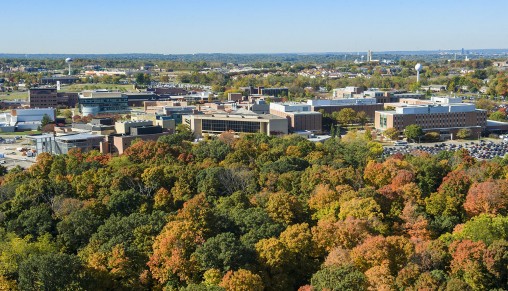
502, 64
434, 88
61, 79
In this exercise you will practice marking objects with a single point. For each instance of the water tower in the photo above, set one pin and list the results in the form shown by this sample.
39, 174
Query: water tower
69, 61
418, 68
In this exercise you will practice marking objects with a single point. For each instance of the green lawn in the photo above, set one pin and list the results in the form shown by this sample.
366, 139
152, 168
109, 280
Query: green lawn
81, 87
13, 95
20, 133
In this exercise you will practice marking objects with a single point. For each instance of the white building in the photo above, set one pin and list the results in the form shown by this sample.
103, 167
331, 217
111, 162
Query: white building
335, 102
25, 119
291, 107
347, 92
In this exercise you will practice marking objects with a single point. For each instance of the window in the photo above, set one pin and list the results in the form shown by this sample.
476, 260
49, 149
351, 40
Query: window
226, 125
383, 121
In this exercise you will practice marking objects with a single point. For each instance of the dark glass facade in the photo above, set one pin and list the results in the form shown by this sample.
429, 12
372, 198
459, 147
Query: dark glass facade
226, 125
106, 104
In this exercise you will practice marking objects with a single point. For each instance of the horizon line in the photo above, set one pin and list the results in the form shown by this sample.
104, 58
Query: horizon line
259, 53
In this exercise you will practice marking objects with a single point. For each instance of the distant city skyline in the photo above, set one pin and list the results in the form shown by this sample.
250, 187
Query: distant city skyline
199, 26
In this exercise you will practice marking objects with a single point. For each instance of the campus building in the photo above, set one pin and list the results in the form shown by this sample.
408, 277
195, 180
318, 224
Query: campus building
300, 116
443, 115
276, 92
119, 143
95, 102
42, 97
237, 123
24, 119
124, 127
67, 99
48, 143
391, 96
368, 105
49, 97
346, 92
138, 99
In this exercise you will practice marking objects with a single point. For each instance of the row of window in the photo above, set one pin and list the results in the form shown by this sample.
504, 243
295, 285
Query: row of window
226, 125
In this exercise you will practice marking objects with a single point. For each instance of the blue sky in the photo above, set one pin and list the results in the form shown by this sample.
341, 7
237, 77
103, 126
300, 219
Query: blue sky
261, 26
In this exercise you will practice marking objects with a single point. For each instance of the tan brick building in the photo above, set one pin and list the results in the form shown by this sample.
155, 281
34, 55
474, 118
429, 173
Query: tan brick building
300, 116
441, 117
238, 123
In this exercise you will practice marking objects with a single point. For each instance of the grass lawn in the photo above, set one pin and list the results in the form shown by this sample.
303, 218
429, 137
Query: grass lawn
81, 87
20, 133
13, 95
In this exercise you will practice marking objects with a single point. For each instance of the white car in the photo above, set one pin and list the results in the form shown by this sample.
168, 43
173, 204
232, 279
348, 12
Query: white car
400, 142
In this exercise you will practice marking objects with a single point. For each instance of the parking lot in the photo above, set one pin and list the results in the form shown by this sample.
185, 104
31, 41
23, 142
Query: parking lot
9, 146
483, 149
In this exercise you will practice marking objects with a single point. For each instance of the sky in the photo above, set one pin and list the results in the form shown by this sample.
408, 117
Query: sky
261, 26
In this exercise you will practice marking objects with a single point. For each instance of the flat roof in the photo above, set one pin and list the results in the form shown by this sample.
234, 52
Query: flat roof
78, 136
41, 136
495, 122
239, 116
304, 113
289, 103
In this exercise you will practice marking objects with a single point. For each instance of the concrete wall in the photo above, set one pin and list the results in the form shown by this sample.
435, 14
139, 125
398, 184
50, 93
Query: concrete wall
124, 127
167, 124
301, 121
235, 96
36, 114
277, 126
312, 122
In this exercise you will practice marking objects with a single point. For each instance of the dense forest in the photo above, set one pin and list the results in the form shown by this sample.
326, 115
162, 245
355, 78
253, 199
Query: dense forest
255, 213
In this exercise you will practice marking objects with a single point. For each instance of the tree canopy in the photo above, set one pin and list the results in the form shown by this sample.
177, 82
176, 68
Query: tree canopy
254, 213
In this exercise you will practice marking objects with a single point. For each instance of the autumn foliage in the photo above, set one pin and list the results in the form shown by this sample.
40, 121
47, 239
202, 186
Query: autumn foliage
255, 213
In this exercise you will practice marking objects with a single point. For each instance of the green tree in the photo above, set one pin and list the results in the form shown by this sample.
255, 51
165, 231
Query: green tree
223, 252
35, 221
67, 113
75, 230
413, 132
45, 120
362, 117
345, 278
498, 116
214, 149
50, 272
345, 116
391, 133
464, 133
485, 228
142, 79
